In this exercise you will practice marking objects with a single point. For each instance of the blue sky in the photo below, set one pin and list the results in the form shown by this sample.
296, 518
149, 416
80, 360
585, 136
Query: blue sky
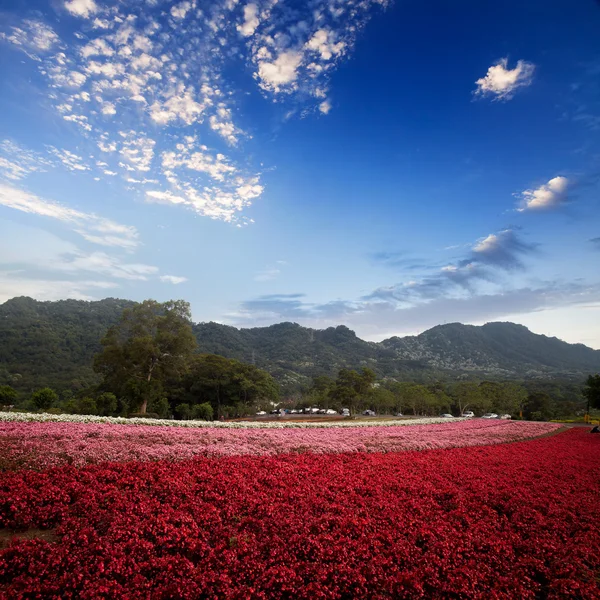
385, 165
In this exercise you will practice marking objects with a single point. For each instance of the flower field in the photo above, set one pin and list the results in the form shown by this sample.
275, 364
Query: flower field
46, 444
506, 520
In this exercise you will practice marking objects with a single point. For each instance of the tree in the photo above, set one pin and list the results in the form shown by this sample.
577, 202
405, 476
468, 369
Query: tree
183, 411
468, 395
160, 406
203, 412
44, 398
7, 395
151, 342
351, 386
226, 382
591, 392
106, 404
538, 406
86, 406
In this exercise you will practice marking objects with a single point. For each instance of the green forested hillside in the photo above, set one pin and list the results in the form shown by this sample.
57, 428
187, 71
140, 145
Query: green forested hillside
53, 343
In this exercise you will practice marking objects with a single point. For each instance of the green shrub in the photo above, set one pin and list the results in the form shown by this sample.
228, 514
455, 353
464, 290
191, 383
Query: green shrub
203, 412
86, 406
183, 411
44, 398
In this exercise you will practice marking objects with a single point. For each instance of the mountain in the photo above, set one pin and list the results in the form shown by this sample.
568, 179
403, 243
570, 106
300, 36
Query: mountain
53, 343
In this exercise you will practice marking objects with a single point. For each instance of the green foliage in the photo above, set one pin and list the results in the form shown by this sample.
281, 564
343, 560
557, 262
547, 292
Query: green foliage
203, 412
151, 343
351, 388
86, 406
538, 407
591, 391
106, 404
225, 382
8, 395
160, 406
44, 398
183, 411
53, 343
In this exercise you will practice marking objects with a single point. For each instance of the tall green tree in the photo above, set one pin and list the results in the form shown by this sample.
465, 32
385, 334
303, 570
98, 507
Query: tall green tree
151, 343
106, 404
468, 395
44, 398
7, 395
350, 387
591, 391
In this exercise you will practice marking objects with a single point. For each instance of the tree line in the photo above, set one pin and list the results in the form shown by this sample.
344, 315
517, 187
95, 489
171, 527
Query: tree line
359, 390
149, 366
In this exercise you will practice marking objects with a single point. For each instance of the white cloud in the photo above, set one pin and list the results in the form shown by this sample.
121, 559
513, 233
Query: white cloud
502, 82
180, 105
97, 47
174, 279
102, 263
216, 167
325, 107
32, 35
17, 162
549, 195
323, 42
81, 8
180, 10
267, 275
251, 20
280, 73
92, 227
161, 197
12, 285
70, 160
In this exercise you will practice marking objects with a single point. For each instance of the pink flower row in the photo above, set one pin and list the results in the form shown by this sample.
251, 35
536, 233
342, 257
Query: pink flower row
43, 445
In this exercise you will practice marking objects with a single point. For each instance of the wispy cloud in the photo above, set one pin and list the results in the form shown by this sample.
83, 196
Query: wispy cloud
16, 284
387, 317
501, 83
17, 162
174, 279
92, 227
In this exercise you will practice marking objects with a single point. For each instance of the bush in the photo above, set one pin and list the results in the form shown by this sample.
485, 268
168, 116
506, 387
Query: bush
44, 398
86, 406
106, 404
183, 411
52, 411
7, 395
203, 412
160, 406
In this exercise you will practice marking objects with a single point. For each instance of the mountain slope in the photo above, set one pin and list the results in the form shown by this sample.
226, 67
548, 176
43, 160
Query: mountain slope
53, 343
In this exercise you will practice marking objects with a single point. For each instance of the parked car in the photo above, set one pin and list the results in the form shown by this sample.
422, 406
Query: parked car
446, 416
468, 414
369, 413
294, 411
275, 411
398, 415
345, 412
505, 417
261, 412
489, 416
330, 411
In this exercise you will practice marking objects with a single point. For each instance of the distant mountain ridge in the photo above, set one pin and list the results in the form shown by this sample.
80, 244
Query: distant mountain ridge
53, 343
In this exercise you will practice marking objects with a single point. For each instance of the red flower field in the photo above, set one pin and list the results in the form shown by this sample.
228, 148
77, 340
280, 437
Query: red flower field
517, 520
